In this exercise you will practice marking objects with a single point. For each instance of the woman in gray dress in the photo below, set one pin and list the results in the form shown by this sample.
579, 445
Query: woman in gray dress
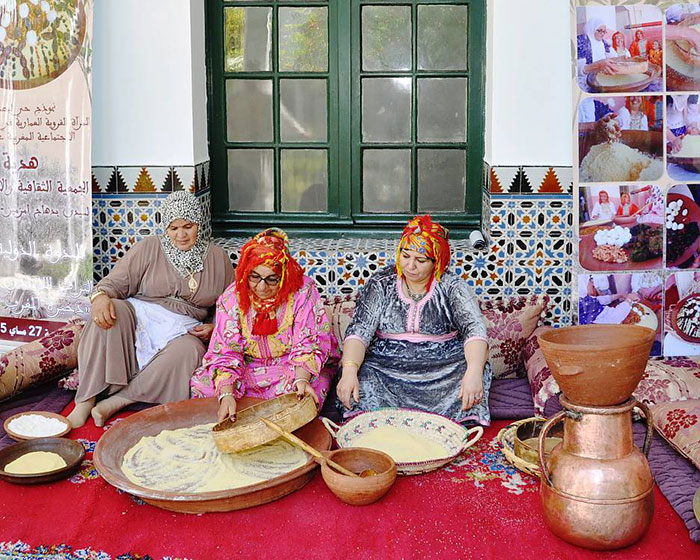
417, 338
148, 331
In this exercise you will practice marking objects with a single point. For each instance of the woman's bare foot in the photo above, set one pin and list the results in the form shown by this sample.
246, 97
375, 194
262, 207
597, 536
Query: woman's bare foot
106, 408
80, 413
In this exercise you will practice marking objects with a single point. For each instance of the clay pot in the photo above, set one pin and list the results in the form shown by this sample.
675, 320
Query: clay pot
597, 365
359, 491
596, 487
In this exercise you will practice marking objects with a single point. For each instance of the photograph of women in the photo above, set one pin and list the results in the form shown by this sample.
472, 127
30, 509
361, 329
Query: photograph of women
622, 299
618, 48
620, 227
620, 138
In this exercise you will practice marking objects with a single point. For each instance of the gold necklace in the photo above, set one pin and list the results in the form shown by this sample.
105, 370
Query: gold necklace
192, 284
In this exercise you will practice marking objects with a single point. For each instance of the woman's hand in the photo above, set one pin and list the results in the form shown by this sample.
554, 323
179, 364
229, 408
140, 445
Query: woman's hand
607, 66
304, 388
202, 332
676, 144
102, 312
227, 409
471, 391
348, 387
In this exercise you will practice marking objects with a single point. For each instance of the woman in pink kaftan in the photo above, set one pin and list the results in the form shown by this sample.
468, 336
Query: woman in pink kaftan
272, 335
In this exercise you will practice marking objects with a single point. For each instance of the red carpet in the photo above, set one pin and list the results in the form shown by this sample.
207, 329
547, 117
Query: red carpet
480, 508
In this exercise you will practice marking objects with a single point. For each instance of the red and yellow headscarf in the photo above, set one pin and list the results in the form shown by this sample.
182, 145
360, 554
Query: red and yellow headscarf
269, 248
430, 238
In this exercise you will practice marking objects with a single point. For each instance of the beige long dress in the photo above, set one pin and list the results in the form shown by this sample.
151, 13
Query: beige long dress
107, 358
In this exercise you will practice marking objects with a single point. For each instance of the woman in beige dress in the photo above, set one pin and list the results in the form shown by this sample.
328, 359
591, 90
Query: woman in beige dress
148, 331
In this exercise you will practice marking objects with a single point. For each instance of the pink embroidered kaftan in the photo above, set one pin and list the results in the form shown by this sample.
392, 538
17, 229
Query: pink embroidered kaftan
263, 366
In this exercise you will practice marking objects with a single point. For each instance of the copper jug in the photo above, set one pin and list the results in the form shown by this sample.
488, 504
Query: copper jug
596, 486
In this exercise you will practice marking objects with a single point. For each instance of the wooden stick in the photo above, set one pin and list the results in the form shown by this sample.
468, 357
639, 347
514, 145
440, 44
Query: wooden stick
291, 438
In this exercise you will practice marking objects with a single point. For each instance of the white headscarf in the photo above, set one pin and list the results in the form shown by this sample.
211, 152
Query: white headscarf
597, 47
184, 205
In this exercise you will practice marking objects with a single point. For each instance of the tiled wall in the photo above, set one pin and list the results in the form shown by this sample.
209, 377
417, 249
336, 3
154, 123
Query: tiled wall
126, 203
527, 213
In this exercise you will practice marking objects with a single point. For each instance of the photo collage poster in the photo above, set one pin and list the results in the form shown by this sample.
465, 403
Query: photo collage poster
636, 91
45, 165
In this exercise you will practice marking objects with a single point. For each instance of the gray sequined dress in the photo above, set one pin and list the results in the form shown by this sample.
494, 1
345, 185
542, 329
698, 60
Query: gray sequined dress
415, 350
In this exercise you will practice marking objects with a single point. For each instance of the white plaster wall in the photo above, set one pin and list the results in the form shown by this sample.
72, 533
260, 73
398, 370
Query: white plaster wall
528, 83
146, 59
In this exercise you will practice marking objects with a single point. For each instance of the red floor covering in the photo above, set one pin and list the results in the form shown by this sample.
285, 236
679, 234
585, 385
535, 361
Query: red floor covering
479, 508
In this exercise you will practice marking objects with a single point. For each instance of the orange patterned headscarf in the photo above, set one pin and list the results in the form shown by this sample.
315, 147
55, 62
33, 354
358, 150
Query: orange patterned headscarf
430, 238
269, 248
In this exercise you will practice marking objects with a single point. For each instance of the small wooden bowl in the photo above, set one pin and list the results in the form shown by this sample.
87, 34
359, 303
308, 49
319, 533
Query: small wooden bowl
625, 221
531, 429
359, 491
23, 437
71, 451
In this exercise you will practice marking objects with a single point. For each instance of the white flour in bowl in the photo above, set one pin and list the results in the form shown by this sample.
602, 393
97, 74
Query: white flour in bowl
36, 425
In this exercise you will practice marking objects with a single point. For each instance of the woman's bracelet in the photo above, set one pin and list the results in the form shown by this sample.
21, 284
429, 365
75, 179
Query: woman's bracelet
222, 396
351, 363
96, 294
294, 383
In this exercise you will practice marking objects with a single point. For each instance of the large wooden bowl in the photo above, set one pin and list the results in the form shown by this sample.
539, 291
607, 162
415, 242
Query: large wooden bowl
112, 446
589, 262
653, 72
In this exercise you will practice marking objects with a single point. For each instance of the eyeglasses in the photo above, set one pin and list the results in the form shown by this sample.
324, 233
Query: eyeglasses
254, 279
602, 30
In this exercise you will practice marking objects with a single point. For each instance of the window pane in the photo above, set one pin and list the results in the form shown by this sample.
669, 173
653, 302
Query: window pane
247, 39
304, 181
386, 109
442, 37
386, 180
386, 38
251, 177
303, 39
249, 110
442, 180
442, 110
303, 110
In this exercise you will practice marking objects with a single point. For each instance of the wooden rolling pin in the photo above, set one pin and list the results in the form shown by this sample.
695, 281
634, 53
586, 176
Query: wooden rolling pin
291, 438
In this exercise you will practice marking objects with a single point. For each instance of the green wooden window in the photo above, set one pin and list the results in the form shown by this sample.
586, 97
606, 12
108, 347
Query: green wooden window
345, 115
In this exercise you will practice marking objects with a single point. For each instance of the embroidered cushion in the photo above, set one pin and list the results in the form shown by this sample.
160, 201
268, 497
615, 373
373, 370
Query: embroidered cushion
40, 360
339, 310
670, 379
542, 383
509, 323
679, 423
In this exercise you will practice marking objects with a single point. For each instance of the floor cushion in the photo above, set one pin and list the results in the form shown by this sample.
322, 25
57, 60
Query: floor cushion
679, 424
40, 360
509, 324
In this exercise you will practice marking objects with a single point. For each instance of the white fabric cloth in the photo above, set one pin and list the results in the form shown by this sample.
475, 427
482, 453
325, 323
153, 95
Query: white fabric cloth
675, 346
155, 327
613, 315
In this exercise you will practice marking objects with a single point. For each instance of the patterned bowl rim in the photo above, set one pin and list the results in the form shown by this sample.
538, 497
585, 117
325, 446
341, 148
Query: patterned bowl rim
412, 464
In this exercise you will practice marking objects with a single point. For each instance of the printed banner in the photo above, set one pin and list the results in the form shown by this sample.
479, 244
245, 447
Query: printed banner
45, 170
636, 154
